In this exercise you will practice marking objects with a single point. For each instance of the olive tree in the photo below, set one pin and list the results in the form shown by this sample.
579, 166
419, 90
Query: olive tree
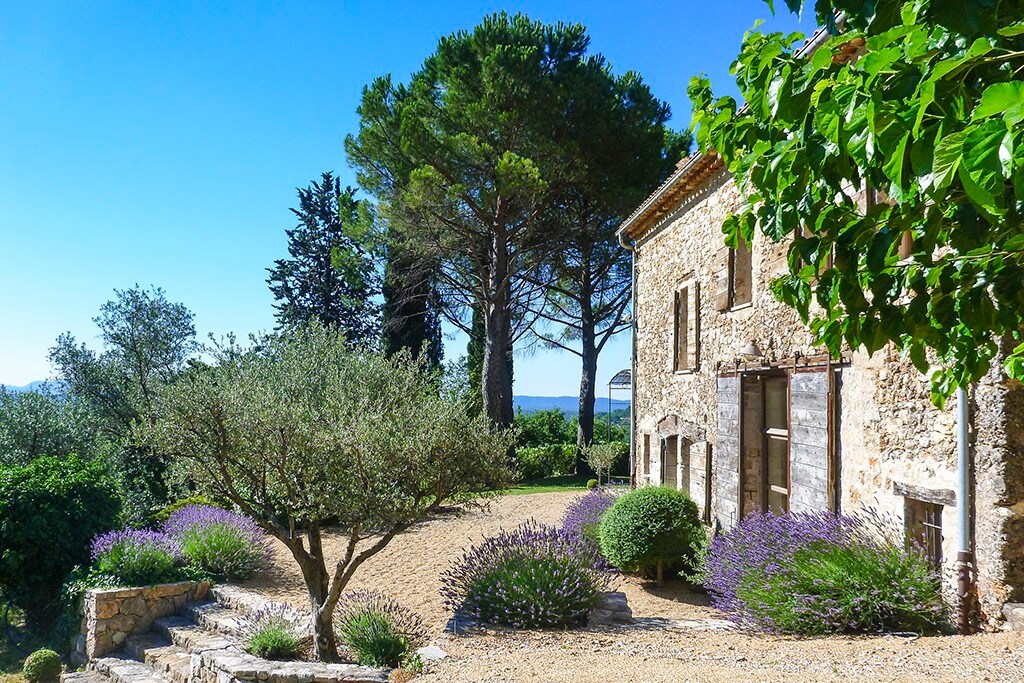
302, 430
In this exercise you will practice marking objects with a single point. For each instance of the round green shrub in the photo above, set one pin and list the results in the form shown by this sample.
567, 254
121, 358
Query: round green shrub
652, 529
50, 509
42, 666
592, 483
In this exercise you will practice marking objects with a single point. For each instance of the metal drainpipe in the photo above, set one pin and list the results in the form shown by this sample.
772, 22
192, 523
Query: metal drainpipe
965, 554
632, 361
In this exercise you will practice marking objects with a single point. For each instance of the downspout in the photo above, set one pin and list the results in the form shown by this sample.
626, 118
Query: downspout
632, 360
965, 569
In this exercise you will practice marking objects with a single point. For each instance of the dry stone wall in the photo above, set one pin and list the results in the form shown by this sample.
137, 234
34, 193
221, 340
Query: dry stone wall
110, 616
891, 438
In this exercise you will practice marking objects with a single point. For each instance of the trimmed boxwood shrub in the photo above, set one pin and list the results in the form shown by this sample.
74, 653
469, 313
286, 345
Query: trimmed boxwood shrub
50, 509
42, 666
532, 576
652, 530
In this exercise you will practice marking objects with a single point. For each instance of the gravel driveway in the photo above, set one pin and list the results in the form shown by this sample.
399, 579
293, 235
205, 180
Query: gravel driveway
409, 570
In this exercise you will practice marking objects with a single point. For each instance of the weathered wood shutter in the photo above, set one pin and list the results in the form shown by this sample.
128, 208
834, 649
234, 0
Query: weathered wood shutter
700, 477
723, 278
692, 325
742, 275
809, 488
727, 467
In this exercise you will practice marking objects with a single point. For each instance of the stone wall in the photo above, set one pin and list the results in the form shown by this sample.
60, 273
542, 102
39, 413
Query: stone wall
110, 616
891, 438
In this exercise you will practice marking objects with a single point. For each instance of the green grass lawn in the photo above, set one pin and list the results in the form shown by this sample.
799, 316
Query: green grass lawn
569, 482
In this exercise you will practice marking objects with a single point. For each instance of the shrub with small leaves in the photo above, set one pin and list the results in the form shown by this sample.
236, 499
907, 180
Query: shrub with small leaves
42, 666
219, 543
652, 529
378, 630
275, 631
137, 557
532, 576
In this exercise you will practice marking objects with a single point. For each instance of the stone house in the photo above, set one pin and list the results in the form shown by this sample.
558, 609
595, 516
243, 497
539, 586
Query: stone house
734, 404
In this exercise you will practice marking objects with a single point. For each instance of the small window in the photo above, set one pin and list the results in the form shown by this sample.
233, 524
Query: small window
734, 282
647, 455
685, 328
923, 522
670, 461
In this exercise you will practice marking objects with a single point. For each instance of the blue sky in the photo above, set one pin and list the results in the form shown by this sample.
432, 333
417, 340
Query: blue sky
161, 143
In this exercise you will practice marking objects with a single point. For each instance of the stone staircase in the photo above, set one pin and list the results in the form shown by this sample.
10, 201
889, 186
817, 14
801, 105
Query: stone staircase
200, 644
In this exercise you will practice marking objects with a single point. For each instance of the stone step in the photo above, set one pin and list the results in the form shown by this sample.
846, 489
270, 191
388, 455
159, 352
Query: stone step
120, 670
216, 618
84, 676
183, 632
161, 654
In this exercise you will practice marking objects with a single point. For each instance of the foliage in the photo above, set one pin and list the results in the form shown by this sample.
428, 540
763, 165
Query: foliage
147, 342
275, 631
49, 511
583, 516
42, 666
602, 457
593, 483
219, 543
330, 274
821, 573
545, 461
532, 576
301, 430
652, 528
163, 514
380, 631
544, 427
930, 114
137, 557
34, 423
468, 159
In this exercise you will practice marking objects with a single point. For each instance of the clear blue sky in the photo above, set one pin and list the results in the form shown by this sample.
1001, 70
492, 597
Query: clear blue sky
161, 143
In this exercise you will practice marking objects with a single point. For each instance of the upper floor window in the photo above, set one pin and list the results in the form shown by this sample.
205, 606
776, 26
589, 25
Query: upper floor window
734, 281
686, 330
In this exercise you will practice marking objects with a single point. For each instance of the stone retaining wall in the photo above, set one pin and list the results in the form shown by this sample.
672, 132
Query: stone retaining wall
110, 616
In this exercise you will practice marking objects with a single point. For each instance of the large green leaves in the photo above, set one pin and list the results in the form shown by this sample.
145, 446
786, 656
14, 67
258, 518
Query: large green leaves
930, 114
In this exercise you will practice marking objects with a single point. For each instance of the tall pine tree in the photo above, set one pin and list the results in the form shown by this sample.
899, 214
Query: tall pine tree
330, 274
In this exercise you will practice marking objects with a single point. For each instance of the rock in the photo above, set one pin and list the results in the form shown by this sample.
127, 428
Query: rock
613, 609
105, 609
1013, 612
135, 606
431, 653
118, 638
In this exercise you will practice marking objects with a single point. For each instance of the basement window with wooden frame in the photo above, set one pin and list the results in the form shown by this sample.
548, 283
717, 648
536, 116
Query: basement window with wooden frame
923, 522
686, 328
734, 282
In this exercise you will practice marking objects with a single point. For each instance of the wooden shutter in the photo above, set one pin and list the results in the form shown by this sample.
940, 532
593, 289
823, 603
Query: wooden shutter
692, 325
699, 461
809, 459
742, 275
727, 468
723, 277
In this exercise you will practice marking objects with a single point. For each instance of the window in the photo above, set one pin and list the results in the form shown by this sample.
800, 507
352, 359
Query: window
923, 521
670, 461
776, 444
764, 443
686, 329
734, 282
647, 455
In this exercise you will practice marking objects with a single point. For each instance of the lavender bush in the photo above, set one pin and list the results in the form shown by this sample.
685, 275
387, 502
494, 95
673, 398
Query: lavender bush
275, 631
583, 516
379, 630
821, 573
219, 543
136, 557
532, 576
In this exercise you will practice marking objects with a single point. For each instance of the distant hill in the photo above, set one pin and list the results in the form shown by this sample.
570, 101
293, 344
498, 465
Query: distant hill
32, 386
567, 404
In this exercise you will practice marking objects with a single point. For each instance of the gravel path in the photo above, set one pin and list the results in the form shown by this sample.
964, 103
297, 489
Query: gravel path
409, 570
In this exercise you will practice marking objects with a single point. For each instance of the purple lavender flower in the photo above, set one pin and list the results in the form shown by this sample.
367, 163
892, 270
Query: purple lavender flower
218, 542
531, 576
583, 516
111, 540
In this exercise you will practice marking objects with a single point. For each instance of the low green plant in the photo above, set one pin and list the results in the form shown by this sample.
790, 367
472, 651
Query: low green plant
592, 483
219, 543
378, 630
652, 530
42, 666
275, 632
137, 557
